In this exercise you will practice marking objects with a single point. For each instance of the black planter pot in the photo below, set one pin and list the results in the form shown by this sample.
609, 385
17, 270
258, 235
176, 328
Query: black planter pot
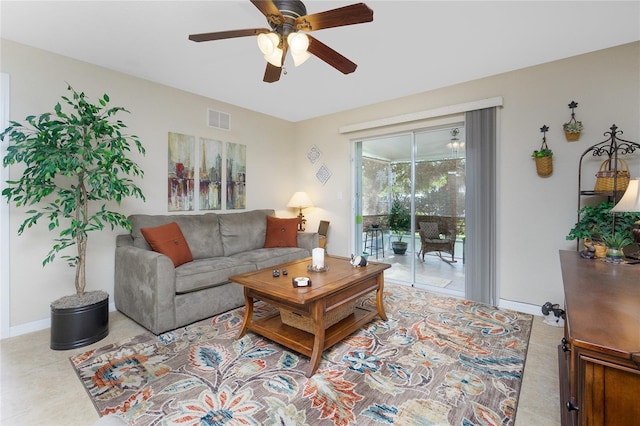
79, 326
399, 247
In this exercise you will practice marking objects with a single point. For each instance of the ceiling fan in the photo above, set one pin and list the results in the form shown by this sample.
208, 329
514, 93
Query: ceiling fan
290, 26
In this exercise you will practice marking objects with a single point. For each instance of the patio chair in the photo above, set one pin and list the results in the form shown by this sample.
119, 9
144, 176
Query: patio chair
438, 236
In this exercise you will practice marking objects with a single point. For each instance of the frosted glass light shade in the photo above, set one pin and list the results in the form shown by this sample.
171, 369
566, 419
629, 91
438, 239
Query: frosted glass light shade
300, 200
268, 44
630, 201
298, 43
300, 58
275, 58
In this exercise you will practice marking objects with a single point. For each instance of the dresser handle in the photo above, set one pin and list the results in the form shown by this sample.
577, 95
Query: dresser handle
571, 406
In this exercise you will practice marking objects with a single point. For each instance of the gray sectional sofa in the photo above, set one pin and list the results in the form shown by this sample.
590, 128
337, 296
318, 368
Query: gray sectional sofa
161, 297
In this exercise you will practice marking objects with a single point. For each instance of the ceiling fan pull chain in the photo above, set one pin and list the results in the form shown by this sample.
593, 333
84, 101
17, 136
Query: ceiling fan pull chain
284, 70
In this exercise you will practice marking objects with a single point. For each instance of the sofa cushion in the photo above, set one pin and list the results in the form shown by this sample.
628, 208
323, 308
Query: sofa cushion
205, 273
201, 232
243, 231
168, 240
281, 232
267, 257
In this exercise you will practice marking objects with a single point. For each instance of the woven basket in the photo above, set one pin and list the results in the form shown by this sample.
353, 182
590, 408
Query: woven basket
306, 323
571, 137
606, 180
544, 166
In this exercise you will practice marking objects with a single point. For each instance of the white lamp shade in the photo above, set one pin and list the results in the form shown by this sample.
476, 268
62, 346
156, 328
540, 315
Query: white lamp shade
275, 58
298, 43
268, 44
300, 200
299, 58
630, 201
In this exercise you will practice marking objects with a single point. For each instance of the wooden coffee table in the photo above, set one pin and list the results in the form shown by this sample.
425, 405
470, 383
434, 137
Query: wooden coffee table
341, 284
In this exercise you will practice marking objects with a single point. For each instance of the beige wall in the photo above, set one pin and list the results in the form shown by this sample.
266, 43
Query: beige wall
37, 82
535, 213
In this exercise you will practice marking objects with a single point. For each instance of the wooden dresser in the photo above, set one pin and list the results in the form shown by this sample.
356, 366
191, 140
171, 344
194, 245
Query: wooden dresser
599, 358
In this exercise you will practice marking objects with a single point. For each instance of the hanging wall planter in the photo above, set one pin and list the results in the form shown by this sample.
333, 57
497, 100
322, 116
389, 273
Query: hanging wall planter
573, 127
543, 156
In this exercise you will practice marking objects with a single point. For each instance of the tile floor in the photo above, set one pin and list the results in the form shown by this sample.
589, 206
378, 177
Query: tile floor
39, 387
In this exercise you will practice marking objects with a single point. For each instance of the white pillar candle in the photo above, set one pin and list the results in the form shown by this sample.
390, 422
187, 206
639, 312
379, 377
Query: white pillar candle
317, 258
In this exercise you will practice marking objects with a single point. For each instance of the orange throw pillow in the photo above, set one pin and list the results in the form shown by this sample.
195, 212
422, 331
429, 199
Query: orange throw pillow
281, 232
168, 240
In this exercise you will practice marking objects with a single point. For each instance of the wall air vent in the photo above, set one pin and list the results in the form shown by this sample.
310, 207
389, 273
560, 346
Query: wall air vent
218, 119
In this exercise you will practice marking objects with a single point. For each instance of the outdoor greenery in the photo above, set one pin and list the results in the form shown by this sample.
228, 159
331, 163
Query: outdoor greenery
73, 161
597, 221
381, 181
399, 218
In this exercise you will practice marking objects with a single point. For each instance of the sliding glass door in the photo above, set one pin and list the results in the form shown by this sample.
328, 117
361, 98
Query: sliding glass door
410, 189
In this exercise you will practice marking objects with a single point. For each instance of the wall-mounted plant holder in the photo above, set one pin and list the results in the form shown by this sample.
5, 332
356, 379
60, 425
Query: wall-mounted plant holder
573, 127
543, 156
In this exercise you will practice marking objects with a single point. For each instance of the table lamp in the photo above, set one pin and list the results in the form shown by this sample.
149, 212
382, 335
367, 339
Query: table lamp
630, 202
300, 200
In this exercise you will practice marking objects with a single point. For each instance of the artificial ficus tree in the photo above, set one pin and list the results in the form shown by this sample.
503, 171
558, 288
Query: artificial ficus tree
75, 162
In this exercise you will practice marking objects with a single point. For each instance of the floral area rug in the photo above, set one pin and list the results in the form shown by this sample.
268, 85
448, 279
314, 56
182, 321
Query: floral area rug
436, 361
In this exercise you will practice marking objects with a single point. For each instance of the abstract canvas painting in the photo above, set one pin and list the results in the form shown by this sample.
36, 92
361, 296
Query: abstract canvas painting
210, 175
236, 176
181, 173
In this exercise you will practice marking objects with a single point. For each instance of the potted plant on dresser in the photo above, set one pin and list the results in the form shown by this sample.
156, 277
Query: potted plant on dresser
74, 163
595, 222
399, 223
615, 244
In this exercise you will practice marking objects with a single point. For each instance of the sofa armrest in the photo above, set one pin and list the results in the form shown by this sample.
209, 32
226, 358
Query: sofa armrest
308, 240
144, 287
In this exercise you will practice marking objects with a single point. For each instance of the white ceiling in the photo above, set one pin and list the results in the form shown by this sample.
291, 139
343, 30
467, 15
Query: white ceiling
410, 47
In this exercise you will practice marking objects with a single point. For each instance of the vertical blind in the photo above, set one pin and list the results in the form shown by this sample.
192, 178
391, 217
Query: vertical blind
480, 206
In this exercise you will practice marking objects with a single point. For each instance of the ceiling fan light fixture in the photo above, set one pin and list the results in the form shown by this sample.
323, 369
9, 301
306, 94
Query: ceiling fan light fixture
268, 43
300, 58
298, 43
275, 58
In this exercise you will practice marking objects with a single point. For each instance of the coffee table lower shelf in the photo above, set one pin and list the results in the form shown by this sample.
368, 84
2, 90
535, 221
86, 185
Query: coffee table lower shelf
301, 341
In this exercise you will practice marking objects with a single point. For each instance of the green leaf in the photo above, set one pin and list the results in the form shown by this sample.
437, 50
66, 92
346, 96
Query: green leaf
73, 156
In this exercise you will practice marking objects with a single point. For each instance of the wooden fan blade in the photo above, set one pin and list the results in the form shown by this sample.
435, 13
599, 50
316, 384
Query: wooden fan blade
271, 73
348, 15
220, 35
330, 56
270, 11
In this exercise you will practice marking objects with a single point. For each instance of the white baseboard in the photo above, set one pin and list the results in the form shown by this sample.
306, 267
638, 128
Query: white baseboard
38, 325
520, 307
